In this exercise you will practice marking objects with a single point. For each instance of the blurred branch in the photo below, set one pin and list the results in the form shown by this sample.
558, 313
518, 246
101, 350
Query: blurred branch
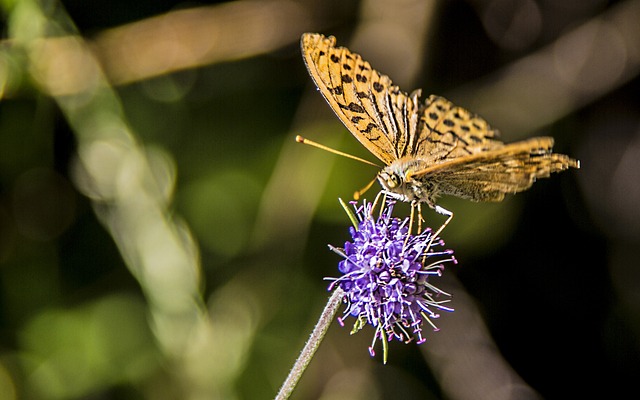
578, 68
198, 36
161, 45
131, 188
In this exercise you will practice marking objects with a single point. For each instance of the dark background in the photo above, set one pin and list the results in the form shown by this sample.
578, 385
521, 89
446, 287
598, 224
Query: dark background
552, 274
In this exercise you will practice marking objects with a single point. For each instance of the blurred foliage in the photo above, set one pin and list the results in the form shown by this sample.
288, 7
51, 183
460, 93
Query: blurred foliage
163, 237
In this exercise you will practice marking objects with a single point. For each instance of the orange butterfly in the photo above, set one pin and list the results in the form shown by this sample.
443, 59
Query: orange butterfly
429, 148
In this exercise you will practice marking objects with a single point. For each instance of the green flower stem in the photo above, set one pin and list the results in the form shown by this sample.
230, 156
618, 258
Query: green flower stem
350, 213
312, 344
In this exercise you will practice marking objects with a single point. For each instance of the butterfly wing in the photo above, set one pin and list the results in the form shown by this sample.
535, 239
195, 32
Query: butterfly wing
377, 113
489, 175
447, 131
455, 152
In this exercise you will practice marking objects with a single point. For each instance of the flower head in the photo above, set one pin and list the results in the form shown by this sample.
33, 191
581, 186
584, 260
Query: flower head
386, 274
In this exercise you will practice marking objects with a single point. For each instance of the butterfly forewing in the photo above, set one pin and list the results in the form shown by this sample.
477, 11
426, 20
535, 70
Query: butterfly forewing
375, 111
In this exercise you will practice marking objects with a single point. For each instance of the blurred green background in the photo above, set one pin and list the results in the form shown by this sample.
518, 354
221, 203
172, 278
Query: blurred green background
162, 236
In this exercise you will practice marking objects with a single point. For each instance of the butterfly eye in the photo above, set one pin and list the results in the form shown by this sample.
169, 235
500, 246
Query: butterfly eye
393, 181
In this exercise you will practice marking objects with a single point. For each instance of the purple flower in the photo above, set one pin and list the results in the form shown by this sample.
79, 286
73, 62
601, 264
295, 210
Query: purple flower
386, 274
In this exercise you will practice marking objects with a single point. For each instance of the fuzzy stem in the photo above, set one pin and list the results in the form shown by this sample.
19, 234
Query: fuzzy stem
312, 344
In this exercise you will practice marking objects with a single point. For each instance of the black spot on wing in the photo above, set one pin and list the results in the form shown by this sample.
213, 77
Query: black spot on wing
369, 127
353, 107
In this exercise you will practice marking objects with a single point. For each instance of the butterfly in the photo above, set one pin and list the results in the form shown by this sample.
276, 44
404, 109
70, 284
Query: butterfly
429, 148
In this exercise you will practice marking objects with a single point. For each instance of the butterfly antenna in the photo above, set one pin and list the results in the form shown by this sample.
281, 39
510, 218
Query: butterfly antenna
302, 140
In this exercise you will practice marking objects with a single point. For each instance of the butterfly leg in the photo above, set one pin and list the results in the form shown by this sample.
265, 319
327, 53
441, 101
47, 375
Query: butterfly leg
411, 216
416, 205
381, 194
442, 211
420, 218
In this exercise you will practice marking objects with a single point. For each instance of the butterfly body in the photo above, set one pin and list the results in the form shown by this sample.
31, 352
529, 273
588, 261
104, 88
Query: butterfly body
429, 148
393, 179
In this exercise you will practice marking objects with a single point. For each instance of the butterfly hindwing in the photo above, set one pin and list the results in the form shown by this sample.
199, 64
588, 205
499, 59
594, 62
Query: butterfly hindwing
448, 131
489, 175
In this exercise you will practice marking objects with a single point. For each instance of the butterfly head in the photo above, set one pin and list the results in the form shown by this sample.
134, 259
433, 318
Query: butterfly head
398, 181
396, 184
